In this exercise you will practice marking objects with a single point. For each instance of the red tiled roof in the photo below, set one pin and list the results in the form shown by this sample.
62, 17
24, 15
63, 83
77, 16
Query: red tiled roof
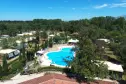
58, 79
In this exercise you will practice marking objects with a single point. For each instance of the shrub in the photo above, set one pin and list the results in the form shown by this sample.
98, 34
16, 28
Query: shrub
8, 77
51, 68
124, 77
32, 71
46, 69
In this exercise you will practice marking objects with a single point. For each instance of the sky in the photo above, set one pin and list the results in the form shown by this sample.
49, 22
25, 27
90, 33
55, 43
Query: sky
60, 9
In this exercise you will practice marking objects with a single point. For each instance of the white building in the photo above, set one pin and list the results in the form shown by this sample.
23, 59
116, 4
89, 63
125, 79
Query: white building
10, 52
73, 41
105, 40
114, 67
5, 36
27, 33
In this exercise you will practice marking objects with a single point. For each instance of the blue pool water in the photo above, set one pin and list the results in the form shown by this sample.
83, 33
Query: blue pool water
59, 56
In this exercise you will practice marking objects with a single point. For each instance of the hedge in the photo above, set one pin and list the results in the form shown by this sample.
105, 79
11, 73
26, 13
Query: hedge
44, 69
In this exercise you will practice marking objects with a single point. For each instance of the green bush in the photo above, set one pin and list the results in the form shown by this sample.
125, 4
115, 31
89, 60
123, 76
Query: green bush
8, 77
124, 77
28, 72
53, 68
44, 69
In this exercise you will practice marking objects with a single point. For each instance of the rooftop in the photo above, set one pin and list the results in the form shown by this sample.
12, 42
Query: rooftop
105, 40
5, 51
59, 79
114, 67
73, 41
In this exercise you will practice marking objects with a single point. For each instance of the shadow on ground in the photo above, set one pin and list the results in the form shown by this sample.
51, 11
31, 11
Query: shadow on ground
122, 82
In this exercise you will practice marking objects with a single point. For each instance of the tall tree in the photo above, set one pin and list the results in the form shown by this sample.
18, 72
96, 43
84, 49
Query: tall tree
87, 61
37, 37
30, 52
43, 35
4, 43
50, 42
5, 65
0, 70
123, 54
23, 55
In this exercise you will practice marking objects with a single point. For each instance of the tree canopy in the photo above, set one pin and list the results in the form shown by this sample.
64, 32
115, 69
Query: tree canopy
87, 61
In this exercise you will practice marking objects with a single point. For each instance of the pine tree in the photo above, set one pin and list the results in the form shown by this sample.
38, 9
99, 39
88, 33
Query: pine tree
50, 42
23, 56
20, 57
36, 47
0, 70
37, 37
5, 65
43, 35
46, 43
87, 62
23, 49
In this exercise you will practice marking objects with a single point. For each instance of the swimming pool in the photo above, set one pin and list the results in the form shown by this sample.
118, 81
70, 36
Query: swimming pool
58, 57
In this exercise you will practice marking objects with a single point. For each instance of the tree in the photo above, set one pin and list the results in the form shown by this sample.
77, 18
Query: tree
43, 35
0, 70
123, 55
37, 37
3, 28
4, 43
20, 60
87, 61
57, 39
36, 47
30, 51
115, 47
45, 44
5, 65
23, 55
50, 42
35, 62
